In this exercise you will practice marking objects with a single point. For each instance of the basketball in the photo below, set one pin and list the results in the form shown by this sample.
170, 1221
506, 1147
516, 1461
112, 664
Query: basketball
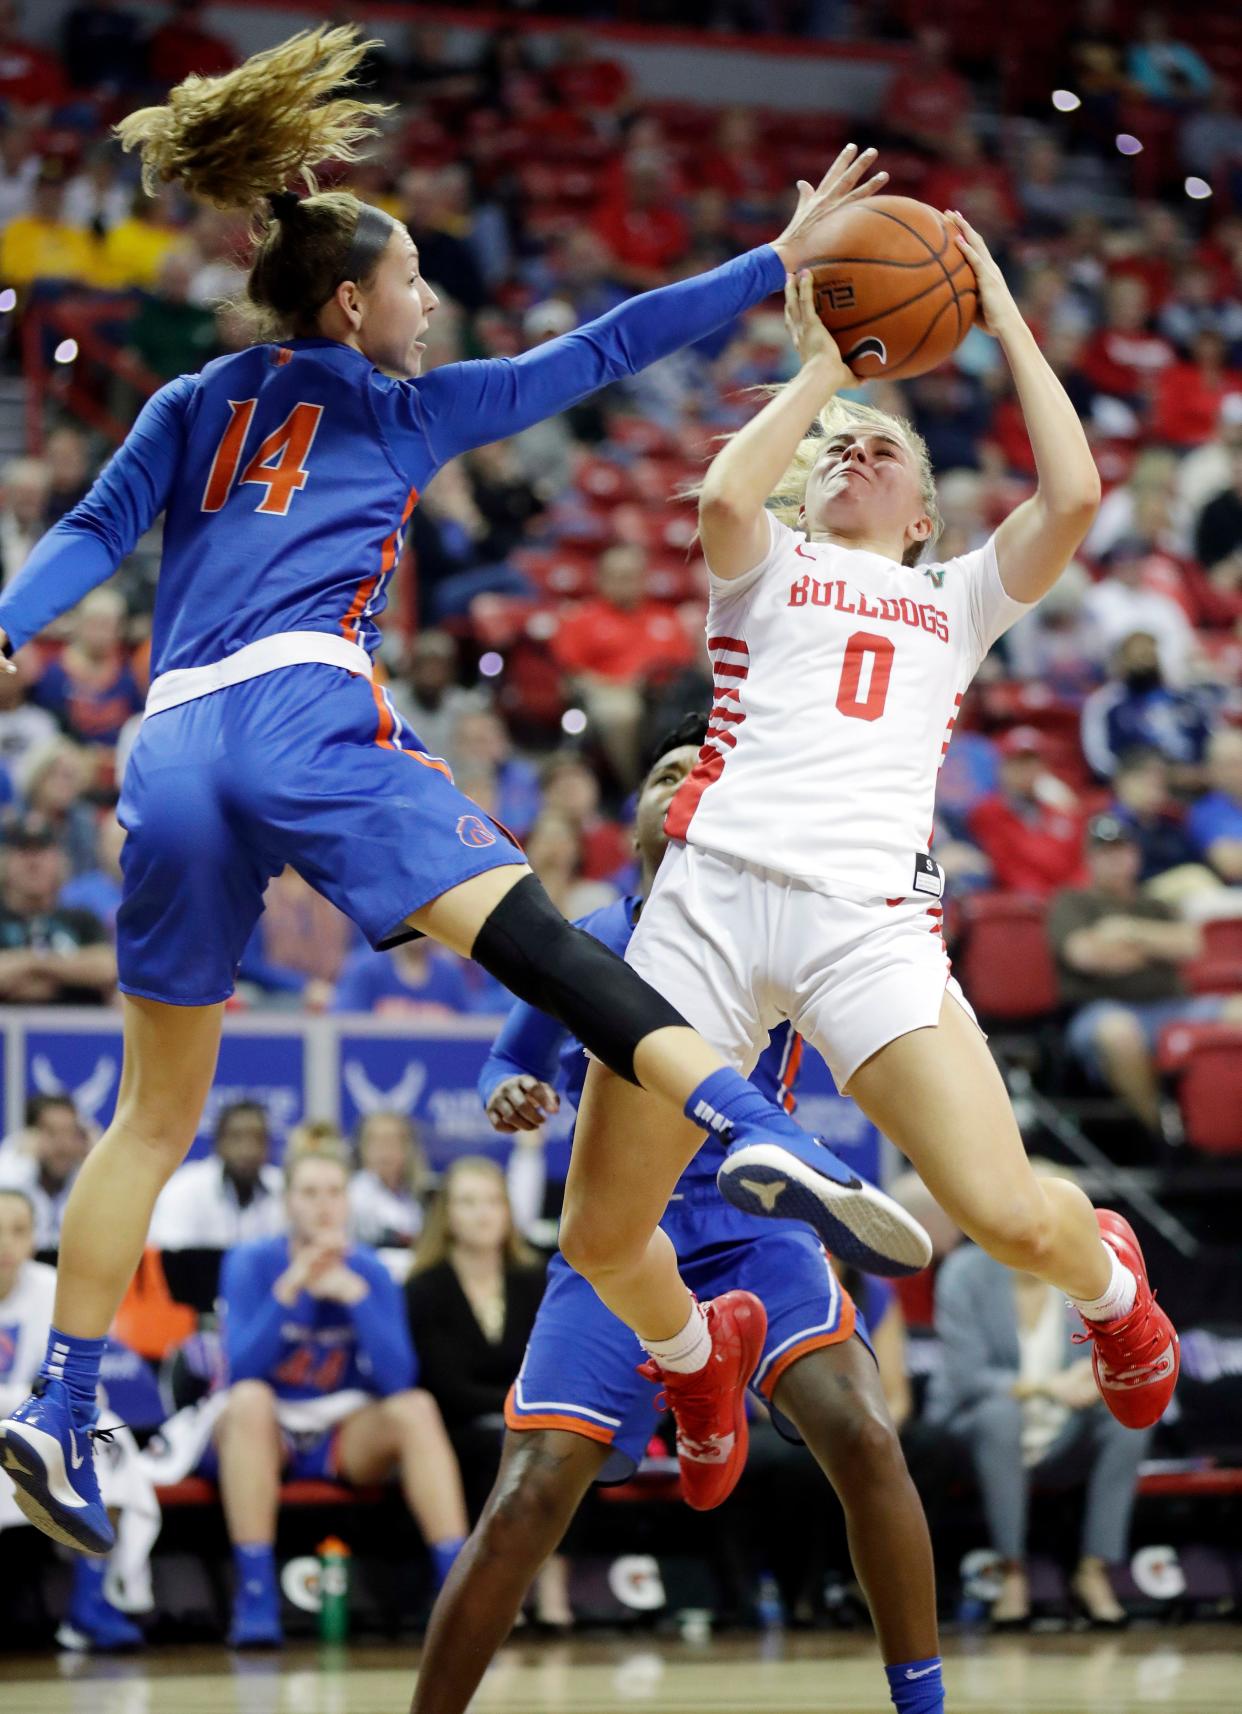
894, 290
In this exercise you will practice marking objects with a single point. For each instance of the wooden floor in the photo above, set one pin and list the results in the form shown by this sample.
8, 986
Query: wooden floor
1196, 1671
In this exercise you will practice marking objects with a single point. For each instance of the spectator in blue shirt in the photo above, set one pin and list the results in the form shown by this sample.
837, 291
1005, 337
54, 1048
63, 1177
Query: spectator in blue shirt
1143, 804
412, 979
1136, 710
1215, 822
322, 1377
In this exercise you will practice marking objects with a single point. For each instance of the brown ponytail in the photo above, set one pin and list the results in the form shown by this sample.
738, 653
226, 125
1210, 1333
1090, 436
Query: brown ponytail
238, 141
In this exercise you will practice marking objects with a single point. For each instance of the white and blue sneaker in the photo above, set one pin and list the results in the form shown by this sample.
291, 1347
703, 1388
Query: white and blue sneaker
799, 1178
51, 1460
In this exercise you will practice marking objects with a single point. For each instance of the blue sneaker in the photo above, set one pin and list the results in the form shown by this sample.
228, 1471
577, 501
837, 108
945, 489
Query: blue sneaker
801, 1179
52, 1462
94, 1626
256, 1614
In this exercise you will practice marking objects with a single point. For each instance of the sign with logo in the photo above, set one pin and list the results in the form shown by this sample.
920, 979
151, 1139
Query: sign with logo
431, 1079
269, 1069
86, 1064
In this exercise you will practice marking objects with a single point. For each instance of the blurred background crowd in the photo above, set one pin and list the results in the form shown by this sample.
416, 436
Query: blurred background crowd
546, 624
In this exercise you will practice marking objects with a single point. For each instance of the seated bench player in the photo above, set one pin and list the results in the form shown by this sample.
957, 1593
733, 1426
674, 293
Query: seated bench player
321, 1384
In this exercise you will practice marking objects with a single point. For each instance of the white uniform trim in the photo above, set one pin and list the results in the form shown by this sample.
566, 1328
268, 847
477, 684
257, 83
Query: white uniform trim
828, 1325
268, 654
557, 1405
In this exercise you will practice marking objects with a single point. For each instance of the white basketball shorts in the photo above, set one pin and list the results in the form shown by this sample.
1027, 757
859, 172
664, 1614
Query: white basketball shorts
738, 949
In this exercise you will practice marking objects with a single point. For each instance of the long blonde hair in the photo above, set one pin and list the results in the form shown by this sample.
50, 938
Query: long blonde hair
239, 140
436, 1244
786, 500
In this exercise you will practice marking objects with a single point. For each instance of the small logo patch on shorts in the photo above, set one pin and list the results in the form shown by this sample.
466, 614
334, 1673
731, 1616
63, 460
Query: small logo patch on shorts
472, 831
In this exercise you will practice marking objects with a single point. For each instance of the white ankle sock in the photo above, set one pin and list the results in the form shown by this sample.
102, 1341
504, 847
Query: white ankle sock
687, 1350
1118, 1296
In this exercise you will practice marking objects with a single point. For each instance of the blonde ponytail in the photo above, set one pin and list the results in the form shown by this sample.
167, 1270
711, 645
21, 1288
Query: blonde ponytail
233, 140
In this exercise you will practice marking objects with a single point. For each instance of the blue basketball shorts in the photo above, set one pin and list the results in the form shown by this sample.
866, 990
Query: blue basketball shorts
580, 1374
301, 767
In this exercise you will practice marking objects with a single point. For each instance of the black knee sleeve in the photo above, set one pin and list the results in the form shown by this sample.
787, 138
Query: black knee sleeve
527, 944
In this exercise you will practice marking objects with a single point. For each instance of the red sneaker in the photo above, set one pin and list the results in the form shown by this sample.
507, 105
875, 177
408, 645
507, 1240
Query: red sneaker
709, 1406
1137, 1357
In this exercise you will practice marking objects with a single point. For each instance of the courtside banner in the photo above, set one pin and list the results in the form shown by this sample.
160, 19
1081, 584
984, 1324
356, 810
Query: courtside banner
432, 1079
79, 1054
341, 1069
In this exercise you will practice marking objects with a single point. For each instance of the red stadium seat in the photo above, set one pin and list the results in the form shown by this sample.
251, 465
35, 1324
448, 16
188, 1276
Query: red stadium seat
1007, 968
1222, 938
1211, 975
1207, 1062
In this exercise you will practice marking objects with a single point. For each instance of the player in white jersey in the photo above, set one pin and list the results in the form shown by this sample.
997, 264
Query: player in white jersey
800, 884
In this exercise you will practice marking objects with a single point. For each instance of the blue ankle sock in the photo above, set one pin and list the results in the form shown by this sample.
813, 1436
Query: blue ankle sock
916, 1686
727, 1104
76, 1363
88, 1578
443, 1553
254, 1570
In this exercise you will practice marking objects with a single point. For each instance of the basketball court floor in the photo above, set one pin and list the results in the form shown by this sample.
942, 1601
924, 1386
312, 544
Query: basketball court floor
1197, 1670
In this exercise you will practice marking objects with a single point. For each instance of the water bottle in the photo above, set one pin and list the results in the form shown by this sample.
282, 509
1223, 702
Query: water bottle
769, 1608
333, 1591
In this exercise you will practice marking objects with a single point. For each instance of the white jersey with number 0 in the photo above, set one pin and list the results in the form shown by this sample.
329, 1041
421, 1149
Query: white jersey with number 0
838, 675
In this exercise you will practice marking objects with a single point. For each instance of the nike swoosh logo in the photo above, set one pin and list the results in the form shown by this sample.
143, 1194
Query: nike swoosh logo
76, 1458
910, 1672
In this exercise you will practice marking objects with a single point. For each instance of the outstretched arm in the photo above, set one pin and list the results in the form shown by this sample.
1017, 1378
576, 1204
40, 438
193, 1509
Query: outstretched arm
733, 525
1036, 541
471, 404
89, 542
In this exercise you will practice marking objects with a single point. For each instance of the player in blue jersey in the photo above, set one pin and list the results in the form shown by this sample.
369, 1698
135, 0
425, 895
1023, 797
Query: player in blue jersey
287, 474
582, 1411
322, 1383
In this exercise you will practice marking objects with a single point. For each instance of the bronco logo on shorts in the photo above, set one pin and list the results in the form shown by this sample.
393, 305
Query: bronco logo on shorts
472, 831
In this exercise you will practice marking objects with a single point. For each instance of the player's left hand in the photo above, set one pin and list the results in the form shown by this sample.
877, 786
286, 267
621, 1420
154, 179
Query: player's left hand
522, 1103
997, 312
804, 237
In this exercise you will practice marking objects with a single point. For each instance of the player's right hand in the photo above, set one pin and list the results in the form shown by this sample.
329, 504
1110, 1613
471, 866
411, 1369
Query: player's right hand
522, 1104
811, 339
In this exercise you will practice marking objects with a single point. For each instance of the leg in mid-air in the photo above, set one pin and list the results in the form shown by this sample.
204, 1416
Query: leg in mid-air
938, 1095
169, 1060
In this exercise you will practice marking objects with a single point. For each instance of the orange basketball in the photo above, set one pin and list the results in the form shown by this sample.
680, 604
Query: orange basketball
892, 287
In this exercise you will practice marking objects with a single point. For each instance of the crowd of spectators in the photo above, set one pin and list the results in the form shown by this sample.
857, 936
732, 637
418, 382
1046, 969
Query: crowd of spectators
550, 620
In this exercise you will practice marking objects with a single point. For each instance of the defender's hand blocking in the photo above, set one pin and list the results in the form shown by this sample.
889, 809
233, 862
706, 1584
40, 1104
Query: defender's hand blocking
522, 1104
997, 309
803, 239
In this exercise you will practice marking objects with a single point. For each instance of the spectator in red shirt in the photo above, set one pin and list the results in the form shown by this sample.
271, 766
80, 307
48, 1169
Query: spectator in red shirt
584, 82
740, 164
968, 180
645, 234
1124, 357
1031, 828
1189, 395
608, 647
571, 789
181, 46
927, 100
29, 76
